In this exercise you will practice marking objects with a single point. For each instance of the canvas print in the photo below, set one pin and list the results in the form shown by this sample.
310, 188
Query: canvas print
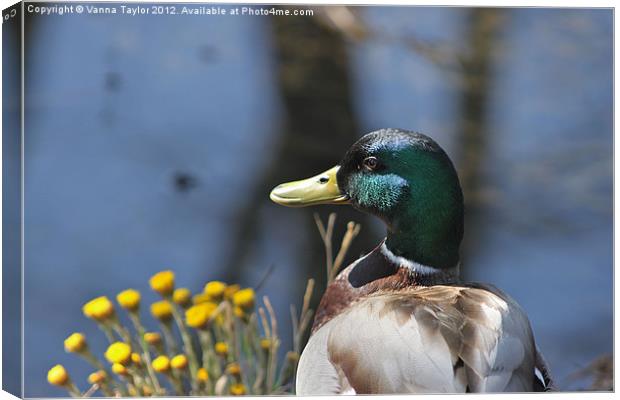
294, 199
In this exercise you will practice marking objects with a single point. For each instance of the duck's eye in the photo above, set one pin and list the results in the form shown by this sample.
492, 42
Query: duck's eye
371, 163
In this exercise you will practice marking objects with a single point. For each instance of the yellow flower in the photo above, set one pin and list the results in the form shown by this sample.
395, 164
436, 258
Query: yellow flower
179, 361
197, 316
230, 290
244, 298
182, 296
152, 338
202, 375
201, 298
136, 359
163, 282
75, 343
292, 356
99, 309
129, 299
119, 369
238, 311
265, 344
118, 353
161, 364
162, 310
97, 377
221, 348
237, 389
58, 375
215, 290
233, 369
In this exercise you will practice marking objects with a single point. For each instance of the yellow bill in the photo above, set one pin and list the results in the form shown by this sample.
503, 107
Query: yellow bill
320, 189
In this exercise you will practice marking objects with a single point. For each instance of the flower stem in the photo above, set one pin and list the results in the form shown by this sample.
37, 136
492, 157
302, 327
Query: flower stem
209, 359
121, 331
187, 345
176, 383
136, 380
135, 319
94, 361
107, 331
171, 344
73, 390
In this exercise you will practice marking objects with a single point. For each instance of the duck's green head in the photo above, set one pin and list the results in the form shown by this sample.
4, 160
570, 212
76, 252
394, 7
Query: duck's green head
405, 179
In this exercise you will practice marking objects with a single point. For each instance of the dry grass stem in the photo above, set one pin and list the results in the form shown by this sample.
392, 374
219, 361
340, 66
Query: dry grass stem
332, 265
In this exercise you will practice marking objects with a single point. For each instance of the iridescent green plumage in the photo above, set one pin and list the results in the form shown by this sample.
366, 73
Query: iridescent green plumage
414, 188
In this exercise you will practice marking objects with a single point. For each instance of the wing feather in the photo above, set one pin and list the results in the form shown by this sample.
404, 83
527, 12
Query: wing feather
431, 339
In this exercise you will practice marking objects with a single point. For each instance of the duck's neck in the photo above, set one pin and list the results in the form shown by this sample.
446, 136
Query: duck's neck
430, 233
382, 269
424, 274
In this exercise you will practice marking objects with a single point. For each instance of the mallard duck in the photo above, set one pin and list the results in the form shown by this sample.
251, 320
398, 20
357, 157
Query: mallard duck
399, 319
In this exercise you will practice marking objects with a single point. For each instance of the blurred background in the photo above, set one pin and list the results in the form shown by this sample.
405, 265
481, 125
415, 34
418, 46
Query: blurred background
152, 143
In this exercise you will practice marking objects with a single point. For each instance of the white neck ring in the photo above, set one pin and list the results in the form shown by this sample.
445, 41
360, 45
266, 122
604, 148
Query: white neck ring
420, 269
